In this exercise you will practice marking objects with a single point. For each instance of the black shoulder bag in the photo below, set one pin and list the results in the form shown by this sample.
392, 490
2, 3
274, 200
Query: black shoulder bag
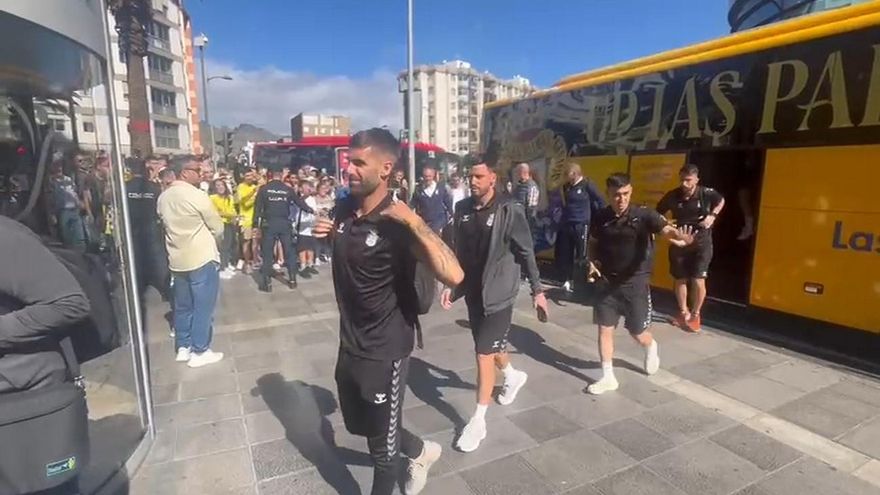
44, 433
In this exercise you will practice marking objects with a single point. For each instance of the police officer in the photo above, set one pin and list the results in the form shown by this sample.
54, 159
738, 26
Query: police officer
271, 215
580, 196
150, 258
622, 258
697, 207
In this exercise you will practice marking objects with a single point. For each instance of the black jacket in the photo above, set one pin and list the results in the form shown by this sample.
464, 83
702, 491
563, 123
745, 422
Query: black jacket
39, 300
581, 200
273, 203
511, 245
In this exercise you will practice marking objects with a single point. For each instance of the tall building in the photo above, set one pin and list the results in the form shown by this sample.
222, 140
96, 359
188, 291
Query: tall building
449, 98
171, 90
315, 125
746, 14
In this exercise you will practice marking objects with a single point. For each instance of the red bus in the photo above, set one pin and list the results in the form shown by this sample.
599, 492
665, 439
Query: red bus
330, 154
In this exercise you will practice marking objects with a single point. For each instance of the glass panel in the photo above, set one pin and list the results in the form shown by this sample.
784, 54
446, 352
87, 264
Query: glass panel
69, 197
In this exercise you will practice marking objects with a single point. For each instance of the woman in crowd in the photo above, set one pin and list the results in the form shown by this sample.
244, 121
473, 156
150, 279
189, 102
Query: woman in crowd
225, 204
307, 244
324, 205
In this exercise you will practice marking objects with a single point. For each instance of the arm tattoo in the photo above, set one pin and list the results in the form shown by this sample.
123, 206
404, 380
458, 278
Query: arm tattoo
438, 255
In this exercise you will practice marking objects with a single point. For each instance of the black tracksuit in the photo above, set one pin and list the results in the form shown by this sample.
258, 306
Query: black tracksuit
571, 241
272, 215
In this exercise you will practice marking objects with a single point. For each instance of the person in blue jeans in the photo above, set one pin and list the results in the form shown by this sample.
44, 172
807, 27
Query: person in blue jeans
192, 229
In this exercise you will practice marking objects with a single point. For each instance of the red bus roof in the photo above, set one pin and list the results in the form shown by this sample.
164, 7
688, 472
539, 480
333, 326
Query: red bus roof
340, 141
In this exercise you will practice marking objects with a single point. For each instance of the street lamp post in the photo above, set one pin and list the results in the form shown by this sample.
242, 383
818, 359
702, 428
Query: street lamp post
201, 42
409, 98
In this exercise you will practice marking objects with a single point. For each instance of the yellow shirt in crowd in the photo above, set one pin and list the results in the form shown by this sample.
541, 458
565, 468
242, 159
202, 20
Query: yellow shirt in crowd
247, 198
192, 227
225, 207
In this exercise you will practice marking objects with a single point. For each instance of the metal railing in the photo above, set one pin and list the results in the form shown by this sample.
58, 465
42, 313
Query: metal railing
162, 77
167, 110
160, 43
171, 143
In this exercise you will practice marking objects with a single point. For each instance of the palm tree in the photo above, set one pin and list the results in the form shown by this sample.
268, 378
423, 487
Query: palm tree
132, 18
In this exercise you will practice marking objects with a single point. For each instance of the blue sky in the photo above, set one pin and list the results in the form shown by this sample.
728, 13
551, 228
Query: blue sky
307, 51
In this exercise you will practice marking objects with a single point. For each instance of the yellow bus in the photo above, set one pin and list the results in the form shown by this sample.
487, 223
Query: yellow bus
783, 120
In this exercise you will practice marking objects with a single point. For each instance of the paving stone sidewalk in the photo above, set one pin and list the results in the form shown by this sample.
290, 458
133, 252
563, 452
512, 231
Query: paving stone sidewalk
723, 416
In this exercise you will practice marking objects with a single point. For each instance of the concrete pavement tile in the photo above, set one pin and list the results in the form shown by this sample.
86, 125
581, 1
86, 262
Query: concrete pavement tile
209, 438
440, 415
642, 390
217, 472
760, 392
809, 475
276, 458
728, 366
583, 490
252, 401
816, 415
254, 335
509, 475
162, 449
757, 448
503, 439
863, 391
591, 411
263, 426
180, 414
253, 362
256, 346
207, 387
451, 484
870, 472
865, 438
635, 481
802, 375
704, 468
164, 394
634, 439
683, 420
672, 354
316, 337
543, 423
554, 385
307, 482
576, 459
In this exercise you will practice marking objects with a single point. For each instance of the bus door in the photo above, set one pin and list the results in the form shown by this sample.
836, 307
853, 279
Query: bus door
736, 174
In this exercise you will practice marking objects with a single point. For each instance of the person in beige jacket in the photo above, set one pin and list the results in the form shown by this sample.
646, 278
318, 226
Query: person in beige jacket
192, 229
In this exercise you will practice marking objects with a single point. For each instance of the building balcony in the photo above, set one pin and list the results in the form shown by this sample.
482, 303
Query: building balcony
162, 77
168, 143
166, 110
159, 43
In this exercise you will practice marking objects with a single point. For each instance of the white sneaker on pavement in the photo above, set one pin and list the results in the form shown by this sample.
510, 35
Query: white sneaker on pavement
605, 384
512, 385
224, 275
567, 286
418, 468
183, 355
205, 358
652, 358
472, 434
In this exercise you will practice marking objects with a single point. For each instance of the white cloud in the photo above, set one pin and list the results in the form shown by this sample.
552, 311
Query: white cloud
269, 97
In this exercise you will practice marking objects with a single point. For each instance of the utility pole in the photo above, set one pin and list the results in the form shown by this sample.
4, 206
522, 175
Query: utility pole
411, 152
201, 41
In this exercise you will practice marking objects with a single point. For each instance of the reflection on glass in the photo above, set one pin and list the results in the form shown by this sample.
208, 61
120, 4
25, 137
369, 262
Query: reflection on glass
55, 177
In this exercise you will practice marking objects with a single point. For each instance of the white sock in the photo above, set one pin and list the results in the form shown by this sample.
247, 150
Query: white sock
481, 411
607, 369
651, 350
507, 370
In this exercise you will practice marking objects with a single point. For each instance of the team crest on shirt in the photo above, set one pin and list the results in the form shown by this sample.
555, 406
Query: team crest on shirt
380, 399
490, 220
372, 238
340, 229
465, 218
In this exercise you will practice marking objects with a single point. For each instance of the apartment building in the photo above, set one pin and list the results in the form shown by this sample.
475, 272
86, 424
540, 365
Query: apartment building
316, 125
171, 90
449, 99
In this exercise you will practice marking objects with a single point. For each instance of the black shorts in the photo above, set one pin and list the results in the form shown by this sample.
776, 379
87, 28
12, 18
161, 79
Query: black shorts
370, 393
630, 299
306, 243
489, 331
692, 261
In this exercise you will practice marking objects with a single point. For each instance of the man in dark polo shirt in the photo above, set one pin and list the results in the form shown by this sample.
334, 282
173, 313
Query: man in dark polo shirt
621, 261
697, 207
493, 242
581, 198
377, 242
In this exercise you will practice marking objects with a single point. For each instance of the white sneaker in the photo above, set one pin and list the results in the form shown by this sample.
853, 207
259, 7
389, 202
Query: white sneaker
276, 267
171, 333
512, 385
652, 359
418, 468
605, 384
567, 286
240, 265
183, 355
230, 269
472, 434
208, 357
224, 275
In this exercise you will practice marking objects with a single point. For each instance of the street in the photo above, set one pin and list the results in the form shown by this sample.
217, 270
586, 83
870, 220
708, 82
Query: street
722, 416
